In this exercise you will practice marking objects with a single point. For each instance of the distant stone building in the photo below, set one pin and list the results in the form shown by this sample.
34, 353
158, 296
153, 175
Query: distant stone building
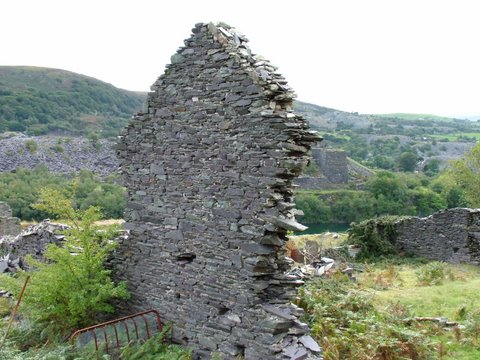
332, 164
333, 167
9, 225
209, 169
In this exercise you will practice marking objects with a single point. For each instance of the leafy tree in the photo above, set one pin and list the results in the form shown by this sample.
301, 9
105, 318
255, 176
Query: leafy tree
432, 167
466, 173
72, 287
20, 189
407, 161
315, 209
456, 198
383, 162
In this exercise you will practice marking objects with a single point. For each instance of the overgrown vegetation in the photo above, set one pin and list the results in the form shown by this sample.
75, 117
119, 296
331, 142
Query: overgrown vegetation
21, 188
156, 348
375, 237
72, 287
385, 193
39, 101
380, 316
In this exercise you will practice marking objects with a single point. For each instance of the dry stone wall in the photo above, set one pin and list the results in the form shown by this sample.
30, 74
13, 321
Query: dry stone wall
209, 169
451, 235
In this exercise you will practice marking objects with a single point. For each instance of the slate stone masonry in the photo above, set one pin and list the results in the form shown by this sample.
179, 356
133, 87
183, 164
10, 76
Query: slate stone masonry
209, 169
332, 163
451, 235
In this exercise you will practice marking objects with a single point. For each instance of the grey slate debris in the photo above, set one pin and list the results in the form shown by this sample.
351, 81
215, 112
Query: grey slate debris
77, 154
216, 149
31, 241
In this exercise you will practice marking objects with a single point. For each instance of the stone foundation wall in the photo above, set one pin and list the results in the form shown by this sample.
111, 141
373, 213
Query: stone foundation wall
451, 235
209, 170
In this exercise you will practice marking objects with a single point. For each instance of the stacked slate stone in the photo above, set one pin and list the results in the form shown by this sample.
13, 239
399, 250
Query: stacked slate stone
209, 169
451, 235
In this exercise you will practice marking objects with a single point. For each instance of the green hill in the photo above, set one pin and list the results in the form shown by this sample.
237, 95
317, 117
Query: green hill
409, 116
41, 101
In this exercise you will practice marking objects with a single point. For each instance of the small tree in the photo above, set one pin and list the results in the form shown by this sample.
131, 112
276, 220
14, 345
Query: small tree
407, 161
31, 146
466, 172
72, 287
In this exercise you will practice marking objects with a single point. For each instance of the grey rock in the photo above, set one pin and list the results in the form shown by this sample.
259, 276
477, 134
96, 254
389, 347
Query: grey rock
309, 343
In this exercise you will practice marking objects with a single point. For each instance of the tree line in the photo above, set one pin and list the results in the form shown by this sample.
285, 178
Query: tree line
397, 193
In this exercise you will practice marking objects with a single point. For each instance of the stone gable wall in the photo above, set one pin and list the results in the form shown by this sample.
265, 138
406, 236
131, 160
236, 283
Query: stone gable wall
209, 169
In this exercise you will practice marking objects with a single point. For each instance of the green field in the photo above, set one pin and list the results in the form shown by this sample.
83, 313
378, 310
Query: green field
457, 136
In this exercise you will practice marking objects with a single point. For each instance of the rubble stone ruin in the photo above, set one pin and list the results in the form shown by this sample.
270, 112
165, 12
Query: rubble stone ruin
209, 168
451, 235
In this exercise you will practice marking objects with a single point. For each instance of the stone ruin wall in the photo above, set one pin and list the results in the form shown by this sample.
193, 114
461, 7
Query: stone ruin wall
451, 235
333, 167
332, 163
9, 225
209, 169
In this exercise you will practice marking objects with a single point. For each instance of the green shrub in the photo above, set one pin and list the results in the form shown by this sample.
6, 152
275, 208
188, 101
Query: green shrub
156, 348
58, 148
72, 287
433, 273
31, 146
375, 237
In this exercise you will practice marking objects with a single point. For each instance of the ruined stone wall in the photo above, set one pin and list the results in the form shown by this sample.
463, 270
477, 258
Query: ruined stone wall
209, 169
332, 164
333, 170
9, 226
451, 235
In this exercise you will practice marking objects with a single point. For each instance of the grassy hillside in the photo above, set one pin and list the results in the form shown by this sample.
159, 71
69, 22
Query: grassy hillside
40, 101
407, 116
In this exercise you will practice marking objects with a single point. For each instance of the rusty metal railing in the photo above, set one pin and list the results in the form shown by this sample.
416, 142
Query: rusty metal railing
118, 333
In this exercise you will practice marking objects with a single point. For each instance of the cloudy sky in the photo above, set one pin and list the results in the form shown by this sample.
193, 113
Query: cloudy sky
354, 55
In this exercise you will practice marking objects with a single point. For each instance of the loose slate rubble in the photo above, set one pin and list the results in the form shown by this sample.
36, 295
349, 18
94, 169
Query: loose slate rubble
209, 169
8, 264
31, 241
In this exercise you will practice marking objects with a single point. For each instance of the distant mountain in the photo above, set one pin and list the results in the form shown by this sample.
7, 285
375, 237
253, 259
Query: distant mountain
41, 101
